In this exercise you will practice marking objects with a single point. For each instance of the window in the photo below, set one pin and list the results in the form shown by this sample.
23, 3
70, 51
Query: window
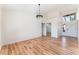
70, 17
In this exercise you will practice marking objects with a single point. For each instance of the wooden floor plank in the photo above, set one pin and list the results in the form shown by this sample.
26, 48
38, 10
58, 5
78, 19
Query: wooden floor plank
43, 46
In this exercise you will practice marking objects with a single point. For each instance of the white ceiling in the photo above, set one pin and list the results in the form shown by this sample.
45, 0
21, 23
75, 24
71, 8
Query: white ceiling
45, 8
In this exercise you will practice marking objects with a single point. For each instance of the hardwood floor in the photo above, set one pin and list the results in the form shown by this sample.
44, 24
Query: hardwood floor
43, 46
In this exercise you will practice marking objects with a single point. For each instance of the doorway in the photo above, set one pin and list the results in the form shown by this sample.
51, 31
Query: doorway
48, 29
43, 29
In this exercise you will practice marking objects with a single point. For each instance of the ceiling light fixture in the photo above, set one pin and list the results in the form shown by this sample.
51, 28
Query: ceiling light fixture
39, 15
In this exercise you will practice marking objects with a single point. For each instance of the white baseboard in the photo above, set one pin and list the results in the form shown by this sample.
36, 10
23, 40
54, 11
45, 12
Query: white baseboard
20, 39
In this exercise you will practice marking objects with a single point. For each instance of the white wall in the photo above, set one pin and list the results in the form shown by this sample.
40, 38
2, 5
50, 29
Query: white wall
19, 24
78, 29
0, 26
54, 28
77, 15
44, 29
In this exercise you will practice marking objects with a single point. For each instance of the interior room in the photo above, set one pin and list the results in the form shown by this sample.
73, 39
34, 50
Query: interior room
39, 29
